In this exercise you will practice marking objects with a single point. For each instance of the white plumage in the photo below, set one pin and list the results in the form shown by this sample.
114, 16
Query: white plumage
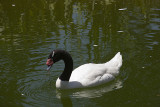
91, 74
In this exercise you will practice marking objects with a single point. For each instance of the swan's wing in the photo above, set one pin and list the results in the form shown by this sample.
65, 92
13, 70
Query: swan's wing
100, 80
87, 71
91, 74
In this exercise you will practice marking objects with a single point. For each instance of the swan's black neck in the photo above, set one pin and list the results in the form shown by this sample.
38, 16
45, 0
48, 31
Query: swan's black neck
66, 57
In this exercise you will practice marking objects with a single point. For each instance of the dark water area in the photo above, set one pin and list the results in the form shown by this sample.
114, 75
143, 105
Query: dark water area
92, 31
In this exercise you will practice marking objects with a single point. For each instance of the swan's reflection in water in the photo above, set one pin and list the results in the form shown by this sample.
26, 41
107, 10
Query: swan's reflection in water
65, 95
98, 91
66, 101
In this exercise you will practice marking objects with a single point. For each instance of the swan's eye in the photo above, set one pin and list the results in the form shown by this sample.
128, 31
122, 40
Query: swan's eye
52, 54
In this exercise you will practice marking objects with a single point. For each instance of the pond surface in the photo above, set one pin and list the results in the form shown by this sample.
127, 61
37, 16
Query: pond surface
92, 31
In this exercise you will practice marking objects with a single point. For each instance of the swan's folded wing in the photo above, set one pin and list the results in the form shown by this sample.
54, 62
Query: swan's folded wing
100, 80
91, 75
87, 71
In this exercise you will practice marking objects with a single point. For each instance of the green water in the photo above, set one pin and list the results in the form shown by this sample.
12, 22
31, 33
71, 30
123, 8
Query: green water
92, 31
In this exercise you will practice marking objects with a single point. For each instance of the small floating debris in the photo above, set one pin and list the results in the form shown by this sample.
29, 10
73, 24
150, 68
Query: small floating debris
22, 94
150, 56
155, 9
95, 45
143, 67
22, 14
123, 9
120, 31
13, 5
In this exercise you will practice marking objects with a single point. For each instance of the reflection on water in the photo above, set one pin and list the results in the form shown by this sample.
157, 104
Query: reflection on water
66, 96
92, 31
66, 101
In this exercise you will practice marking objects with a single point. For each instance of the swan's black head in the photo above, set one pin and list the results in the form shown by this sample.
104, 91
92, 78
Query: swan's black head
54, 57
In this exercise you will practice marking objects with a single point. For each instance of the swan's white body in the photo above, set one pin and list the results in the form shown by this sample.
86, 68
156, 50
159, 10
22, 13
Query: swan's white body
91, 74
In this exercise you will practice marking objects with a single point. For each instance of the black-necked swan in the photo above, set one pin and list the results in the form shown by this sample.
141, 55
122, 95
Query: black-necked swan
86, 75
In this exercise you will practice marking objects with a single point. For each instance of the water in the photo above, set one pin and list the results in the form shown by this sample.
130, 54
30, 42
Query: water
92, 31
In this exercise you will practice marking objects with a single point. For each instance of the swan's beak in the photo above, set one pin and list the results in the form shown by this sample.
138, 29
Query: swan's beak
49, 67
49, 63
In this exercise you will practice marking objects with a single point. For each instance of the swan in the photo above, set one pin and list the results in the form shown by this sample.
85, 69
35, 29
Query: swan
86, 75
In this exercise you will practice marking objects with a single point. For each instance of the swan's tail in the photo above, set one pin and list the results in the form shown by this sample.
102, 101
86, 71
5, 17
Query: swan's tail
115, 62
